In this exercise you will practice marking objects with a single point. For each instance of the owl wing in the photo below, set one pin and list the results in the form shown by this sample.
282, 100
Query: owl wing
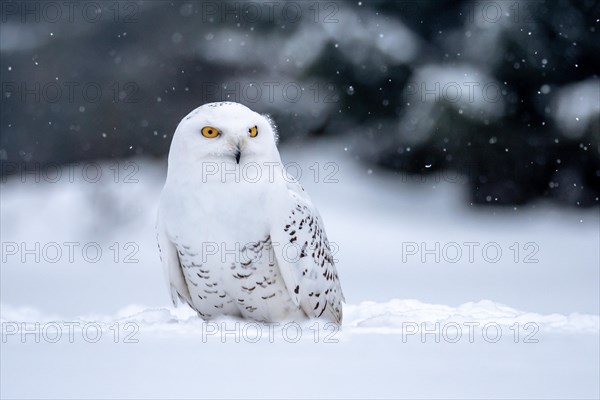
172, 266
304, 256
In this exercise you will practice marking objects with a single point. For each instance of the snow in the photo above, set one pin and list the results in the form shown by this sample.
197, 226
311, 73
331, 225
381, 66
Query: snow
576, 107
396, 316
401, 320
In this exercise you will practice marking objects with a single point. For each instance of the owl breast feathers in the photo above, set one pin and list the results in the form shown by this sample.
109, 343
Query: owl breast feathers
236, 235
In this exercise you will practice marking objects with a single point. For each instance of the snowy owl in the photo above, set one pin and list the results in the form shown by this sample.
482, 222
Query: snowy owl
237, 236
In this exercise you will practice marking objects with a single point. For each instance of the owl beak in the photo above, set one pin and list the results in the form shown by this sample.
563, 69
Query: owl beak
237, 154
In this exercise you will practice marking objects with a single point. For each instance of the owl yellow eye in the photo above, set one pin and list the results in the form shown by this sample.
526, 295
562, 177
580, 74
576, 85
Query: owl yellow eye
210, 132
253, 131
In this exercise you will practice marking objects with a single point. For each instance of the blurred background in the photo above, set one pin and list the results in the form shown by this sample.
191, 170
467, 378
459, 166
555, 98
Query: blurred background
452, 148
504, 93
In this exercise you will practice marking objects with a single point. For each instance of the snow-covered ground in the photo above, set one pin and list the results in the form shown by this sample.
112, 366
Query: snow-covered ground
443, 299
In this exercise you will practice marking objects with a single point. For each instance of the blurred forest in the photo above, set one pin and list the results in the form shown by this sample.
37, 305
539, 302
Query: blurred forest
506, 92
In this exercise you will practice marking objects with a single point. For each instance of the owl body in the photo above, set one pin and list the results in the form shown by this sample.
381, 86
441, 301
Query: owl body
226, 269
236, 235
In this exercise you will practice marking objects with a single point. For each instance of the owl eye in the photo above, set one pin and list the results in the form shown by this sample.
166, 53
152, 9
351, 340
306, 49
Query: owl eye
253, 131
210, 132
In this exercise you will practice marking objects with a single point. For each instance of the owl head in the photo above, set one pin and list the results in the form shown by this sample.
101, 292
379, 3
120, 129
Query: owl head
223, 132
